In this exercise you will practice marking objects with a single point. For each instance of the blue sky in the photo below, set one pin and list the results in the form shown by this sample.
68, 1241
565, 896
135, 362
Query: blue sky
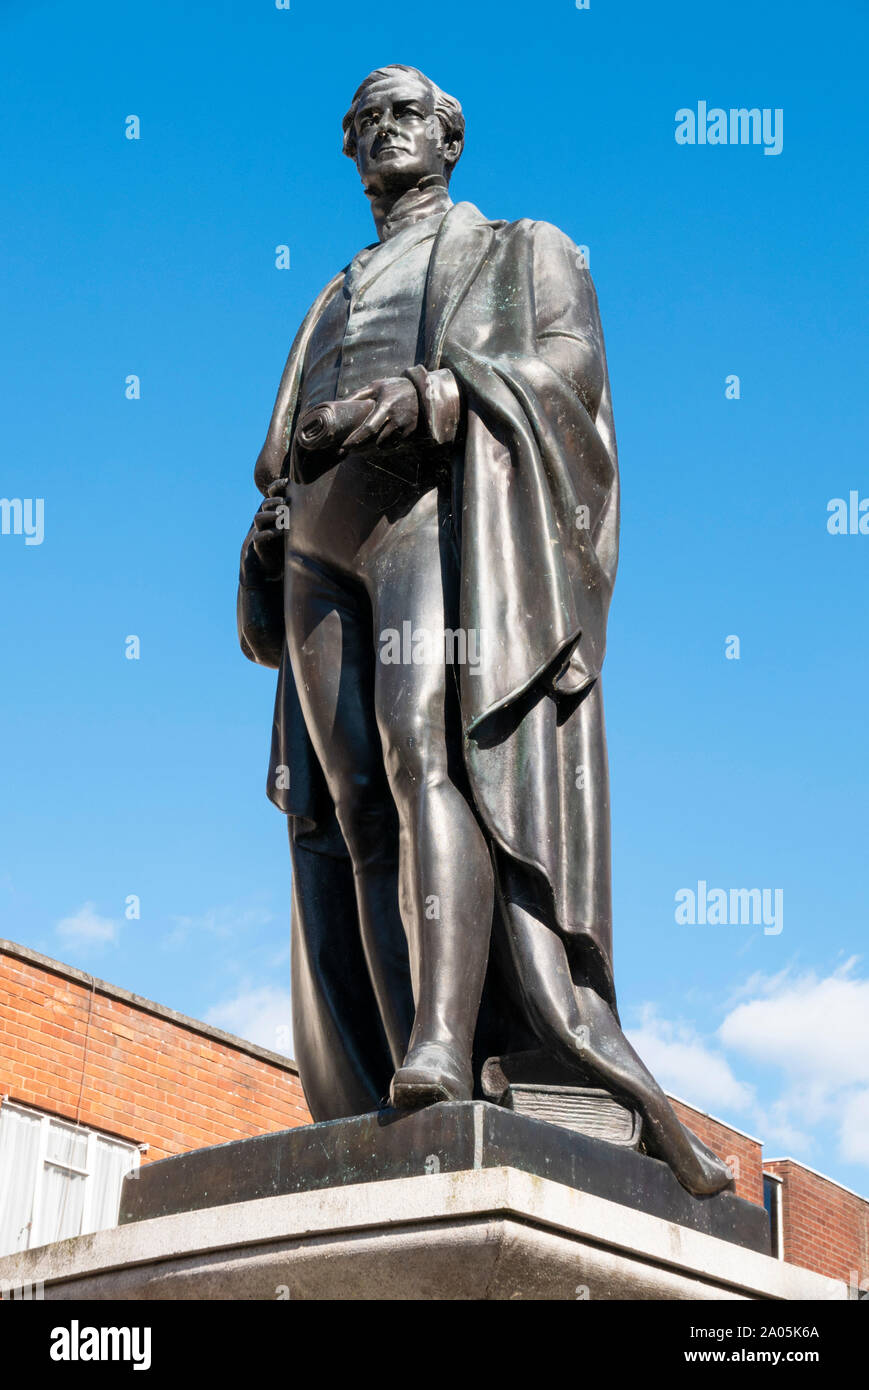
156, 258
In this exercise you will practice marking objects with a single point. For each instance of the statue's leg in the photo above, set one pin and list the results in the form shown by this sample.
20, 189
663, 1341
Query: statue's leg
338, 1038
445, 869
329, 642
581, 1028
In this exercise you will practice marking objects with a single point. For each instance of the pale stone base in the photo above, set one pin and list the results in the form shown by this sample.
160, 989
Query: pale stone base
494, 1233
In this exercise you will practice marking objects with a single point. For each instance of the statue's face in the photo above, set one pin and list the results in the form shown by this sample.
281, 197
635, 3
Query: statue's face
399, 139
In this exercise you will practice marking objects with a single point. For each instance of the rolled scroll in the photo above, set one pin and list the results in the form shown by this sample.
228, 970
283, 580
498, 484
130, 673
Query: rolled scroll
328, 425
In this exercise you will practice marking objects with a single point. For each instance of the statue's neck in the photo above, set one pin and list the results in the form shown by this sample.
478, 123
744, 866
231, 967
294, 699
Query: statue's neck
392, 214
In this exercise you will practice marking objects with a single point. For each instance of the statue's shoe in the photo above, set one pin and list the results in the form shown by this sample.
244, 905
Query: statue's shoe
431, 1072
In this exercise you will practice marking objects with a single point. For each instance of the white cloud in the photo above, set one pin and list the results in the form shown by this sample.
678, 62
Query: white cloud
854, 1130
261, 1015
816, 1028
684, 1064
805, 1037
815, 1031
223, 922
86, 927
780, 1133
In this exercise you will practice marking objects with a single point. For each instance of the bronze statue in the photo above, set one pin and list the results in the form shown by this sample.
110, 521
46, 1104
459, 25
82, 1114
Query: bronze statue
431, 571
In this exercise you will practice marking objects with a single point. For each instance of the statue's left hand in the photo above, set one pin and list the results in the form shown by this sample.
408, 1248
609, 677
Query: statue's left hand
269, 530
395, 412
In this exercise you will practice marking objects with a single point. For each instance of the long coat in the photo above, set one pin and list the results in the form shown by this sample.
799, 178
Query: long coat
511, 310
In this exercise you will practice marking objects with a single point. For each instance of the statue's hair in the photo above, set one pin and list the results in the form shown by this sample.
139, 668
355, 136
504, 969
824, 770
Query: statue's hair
447, 109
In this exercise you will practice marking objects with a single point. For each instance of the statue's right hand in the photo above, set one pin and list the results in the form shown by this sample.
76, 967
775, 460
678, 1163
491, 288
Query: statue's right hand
270, 526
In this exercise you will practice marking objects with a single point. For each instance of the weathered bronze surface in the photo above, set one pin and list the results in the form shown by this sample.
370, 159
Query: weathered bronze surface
431, 571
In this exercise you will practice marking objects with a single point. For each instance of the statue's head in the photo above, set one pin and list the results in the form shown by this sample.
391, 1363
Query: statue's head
400, 128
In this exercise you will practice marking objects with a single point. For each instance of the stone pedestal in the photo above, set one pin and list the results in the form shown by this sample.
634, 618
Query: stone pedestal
494, 1233
454, 1202
447, 1138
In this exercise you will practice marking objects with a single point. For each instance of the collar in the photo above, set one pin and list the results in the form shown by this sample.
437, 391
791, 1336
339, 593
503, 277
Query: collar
428, 197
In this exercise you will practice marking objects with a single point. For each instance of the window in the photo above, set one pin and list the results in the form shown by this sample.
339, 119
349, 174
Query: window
772, 1200
57, 1179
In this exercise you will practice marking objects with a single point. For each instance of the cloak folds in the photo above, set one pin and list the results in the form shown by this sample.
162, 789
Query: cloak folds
511, 311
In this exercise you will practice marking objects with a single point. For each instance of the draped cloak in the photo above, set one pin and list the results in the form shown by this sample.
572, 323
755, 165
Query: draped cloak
511, 311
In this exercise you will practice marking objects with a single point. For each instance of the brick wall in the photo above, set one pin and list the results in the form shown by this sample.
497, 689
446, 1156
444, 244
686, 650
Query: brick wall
740, 1151
825, 1227
132, 1069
